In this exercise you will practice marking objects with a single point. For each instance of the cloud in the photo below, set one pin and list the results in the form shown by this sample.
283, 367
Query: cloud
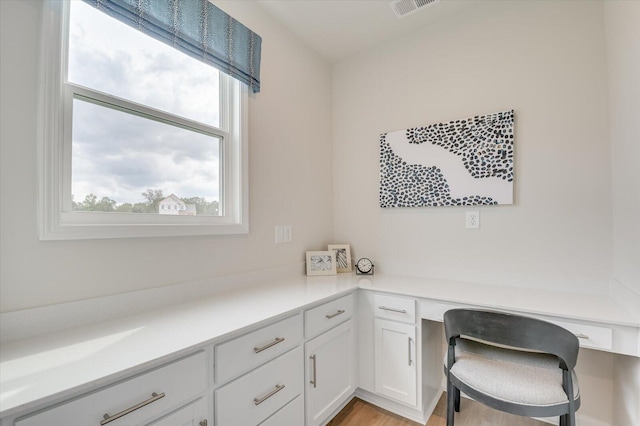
129, 154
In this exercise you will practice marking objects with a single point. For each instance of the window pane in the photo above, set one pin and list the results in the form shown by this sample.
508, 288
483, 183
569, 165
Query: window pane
126, 163
111, 57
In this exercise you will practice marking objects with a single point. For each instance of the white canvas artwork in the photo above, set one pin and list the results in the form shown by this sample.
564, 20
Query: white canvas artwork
460, 163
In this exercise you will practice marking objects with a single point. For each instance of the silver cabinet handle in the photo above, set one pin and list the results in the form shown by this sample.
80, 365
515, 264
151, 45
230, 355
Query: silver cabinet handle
340, 311
108, 418
258, 401
268, 345
313, 382
384, 308
582, 336
409, 350
203, 423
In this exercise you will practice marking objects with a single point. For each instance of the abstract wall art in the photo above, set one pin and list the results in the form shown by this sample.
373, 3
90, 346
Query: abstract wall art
459, 163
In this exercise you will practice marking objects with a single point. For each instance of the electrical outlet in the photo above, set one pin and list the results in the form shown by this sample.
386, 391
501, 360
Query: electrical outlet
473, 219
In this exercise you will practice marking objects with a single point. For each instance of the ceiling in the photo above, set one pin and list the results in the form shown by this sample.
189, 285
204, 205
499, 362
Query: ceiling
340, 28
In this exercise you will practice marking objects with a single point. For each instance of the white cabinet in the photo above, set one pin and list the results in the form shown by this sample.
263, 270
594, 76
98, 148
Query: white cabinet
395, 361
134, 401
330, 372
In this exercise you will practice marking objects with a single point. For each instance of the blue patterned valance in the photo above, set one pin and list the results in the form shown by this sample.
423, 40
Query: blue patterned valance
197, 28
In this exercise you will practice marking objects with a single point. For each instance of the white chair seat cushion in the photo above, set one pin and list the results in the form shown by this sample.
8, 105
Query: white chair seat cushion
526, 378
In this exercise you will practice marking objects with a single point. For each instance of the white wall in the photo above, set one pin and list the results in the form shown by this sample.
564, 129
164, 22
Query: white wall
622, 24
546, 60
290, 155
622, 20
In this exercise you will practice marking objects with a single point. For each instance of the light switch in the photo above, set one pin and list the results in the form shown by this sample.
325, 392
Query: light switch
283, 234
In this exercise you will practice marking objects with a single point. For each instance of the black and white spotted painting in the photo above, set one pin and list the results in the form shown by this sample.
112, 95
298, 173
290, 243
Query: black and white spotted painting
460, 163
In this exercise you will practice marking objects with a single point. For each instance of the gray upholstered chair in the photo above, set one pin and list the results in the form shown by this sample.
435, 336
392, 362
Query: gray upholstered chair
512, 363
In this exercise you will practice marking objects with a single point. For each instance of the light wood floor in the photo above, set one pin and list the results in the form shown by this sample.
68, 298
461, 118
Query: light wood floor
360, 413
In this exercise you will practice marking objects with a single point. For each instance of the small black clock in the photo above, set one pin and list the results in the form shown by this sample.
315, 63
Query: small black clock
364, 267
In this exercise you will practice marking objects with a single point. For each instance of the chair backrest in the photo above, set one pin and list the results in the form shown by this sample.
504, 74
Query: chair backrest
512, 330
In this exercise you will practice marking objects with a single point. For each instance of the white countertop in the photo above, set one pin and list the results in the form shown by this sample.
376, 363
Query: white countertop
578, 306
42, 370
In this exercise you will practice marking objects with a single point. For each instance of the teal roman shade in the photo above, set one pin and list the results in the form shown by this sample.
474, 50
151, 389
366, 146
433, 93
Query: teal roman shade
197, 28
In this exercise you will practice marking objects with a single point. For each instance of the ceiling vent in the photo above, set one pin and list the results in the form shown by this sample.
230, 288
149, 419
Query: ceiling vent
403, 8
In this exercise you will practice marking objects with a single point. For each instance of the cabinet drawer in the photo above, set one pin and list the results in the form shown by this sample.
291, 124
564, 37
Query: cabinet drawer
327, 315
253, 349
253, 397
291, 415
178, 382
395, 308
589, 336
190, 415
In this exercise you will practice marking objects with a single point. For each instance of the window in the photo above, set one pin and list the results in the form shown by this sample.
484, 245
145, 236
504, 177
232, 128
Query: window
129, 122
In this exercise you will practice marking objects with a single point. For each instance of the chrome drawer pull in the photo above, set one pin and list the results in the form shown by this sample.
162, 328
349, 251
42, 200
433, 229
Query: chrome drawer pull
108, 418
582, 336
268, 345
340, 311
409, 351
313, 382
384, 308
258, 401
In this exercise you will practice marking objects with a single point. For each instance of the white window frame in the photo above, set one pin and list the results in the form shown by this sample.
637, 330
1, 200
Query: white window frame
57, 221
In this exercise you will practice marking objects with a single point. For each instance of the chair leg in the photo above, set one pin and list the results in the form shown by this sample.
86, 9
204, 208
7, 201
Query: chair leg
567, 384
450, 403
457, 400
563, 420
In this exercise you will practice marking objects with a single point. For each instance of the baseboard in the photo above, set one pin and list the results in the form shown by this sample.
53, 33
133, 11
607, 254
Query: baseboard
414, 414
337, 410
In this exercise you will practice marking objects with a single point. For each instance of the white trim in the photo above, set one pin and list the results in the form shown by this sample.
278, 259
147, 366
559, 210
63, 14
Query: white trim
58, 222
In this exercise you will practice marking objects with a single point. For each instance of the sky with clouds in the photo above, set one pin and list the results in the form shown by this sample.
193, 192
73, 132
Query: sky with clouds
120, 155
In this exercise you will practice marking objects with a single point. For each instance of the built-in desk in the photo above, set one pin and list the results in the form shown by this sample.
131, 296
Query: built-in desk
39, 371
599, 322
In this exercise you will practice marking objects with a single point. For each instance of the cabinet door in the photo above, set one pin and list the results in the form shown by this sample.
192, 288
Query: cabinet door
194, 414
330, 372
395, 360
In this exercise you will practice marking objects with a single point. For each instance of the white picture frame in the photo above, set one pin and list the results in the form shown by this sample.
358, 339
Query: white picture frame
321, 262
343, 257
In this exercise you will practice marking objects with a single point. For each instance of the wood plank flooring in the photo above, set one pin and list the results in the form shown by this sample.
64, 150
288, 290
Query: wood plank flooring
360, 413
